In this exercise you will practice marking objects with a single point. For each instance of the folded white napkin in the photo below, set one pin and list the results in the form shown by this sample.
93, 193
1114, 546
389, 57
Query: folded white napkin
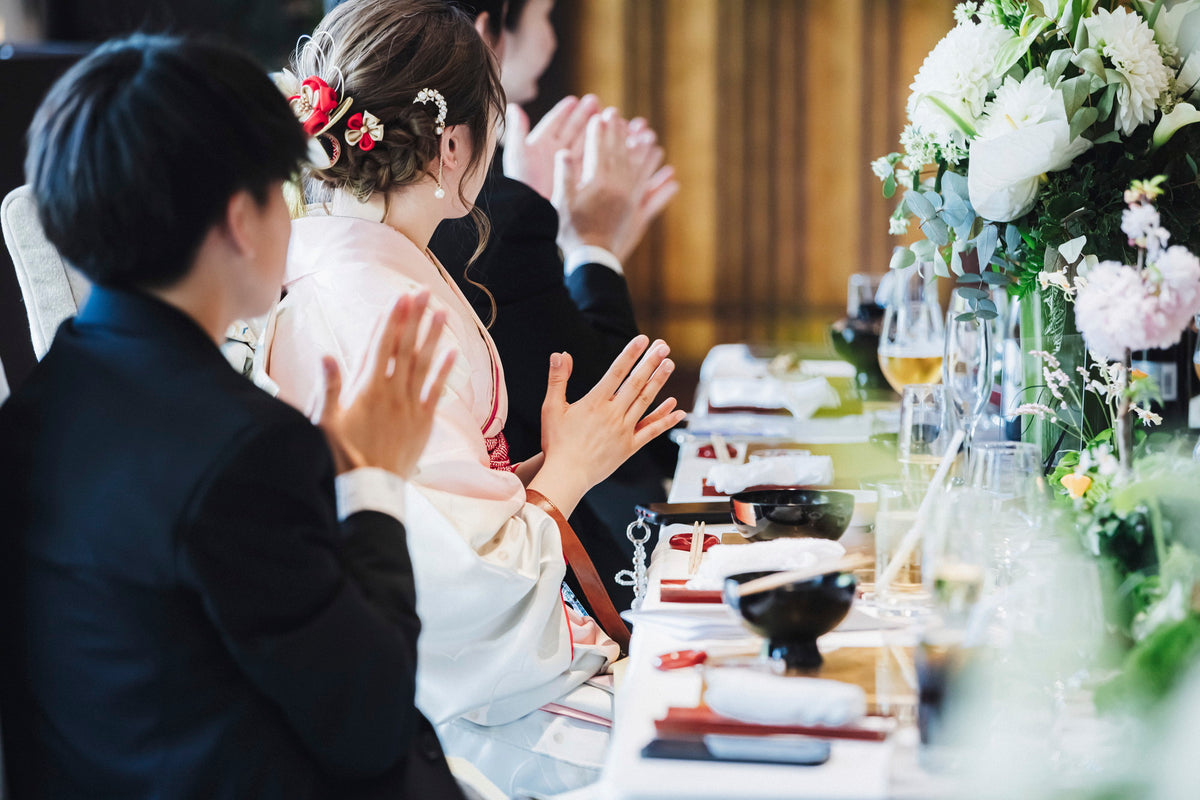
801, 398
723, 560
766, 699
692, 621
731, 361
798, 470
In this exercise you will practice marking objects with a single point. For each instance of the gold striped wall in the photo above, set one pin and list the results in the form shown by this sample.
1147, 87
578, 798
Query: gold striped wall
770, 110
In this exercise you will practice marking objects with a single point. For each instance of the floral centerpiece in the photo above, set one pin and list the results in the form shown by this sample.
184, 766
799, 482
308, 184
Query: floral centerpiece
1138, 509
1027, 121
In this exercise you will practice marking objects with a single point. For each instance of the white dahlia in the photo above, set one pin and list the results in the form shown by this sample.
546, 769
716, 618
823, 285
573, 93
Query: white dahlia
1127, 42
959, 72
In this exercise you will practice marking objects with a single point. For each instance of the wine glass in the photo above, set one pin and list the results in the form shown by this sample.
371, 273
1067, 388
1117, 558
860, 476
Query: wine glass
912, 341
967, 366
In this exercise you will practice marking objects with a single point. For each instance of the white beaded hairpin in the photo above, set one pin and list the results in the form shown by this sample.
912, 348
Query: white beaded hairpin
439, 125
434, 96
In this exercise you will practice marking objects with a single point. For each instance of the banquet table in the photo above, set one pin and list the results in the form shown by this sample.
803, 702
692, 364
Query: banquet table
873, 653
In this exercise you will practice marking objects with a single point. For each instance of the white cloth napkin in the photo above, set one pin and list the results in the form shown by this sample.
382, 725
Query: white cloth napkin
731, 361
723, 560
798, 470
766, 699
801, 398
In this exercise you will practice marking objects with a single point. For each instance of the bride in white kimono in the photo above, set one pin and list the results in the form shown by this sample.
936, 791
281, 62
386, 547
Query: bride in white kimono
498, 642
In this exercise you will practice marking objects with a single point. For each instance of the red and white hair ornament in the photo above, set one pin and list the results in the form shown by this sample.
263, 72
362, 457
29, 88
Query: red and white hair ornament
364, 129
316, 105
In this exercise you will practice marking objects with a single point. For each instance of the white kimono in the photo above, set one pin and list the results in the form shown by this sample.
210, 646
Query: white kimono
497, 642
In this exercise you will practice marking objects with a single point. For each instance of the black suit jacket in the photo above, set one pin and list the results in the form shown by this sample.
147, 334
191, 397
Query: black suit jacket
183, 615
538, 312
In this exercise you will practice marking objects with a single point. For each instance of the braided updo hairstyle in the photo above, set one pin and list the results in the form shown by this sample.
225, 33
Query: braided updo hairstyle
382, 53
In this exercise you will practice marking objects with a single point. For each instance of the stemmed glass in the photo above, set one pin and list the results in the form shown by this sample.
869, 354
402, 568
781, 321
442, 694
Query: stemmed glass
967, 366
913, 337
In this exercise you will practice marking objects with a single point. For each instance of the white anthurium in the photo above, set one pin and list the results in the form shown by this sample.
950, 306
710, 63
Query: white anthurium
1024, 133
1181, 115
1071, 250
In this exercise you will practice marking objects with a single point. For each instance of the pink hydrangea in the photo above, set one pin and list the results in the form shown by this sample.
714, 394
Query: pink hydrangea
1121, 308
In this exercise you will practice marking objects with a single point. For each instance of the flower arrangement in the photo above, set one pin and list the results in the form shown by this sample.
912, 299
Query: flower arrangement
1025, 118
1138, 515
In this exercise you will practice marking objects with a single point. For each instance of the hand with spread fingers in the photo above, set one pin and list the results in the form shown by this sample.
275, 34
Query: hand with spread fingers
529, 155
656, 188
388, 415
586, 440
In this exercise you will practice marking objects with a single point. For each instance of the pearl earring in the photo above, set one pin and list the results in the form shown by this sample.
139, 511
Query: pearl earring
439, 192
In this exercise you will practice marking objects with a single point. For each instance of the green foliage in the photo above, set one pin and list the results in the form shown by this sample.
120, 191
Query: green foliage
1154, 666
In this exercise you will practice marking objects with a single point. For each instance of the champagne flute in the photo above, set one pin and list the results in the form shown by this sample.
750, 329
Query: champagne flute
967, 366
913, 338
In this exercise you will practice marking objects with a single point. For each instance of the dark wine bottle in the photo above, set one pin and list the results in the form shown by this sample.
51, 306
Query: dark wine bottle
1171, 368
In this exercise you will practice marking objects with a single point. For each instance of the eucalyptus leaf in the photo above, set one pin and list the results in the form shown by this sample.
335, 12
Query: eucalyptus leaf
956, 262
936, 231
934, 199
1111, 136
939, 268
957, 213
966, 316
924, 250
1057, 65
1082, 39
1084, 118
984, 306
1075, 92
985, 244
1089, 61
1105, 105
973, 293
969, 278
1012, 239
902, 257
955, 183
993, 278
984, 313
918, 205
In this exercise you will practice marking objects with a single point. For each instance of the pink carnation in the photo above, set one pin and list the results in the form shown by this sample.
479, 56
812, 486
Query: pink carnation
1121, 308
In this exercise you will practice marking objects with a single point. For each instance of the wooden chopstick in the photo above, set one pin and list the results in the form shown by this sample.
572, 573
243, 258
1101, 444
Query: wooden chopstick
847, 563
696, 552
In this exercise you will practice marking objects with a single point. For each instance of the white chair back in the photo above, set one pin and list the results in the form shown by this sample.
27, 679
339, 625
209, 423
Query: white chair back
52, 290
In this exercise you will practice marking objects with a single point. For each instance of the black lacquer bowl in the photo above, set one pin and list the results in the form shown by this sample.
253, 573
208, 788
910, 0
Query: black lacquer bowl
792, 616
780, 513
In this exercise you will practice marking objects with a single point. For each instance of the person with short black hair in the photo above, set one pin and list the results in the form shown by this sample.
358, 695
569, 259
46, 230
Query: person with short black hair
187, 610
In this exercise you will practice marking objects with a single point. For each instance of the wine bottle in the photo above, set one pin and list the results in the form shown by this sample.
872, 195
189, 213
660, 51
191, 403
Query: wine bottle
1171, 368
